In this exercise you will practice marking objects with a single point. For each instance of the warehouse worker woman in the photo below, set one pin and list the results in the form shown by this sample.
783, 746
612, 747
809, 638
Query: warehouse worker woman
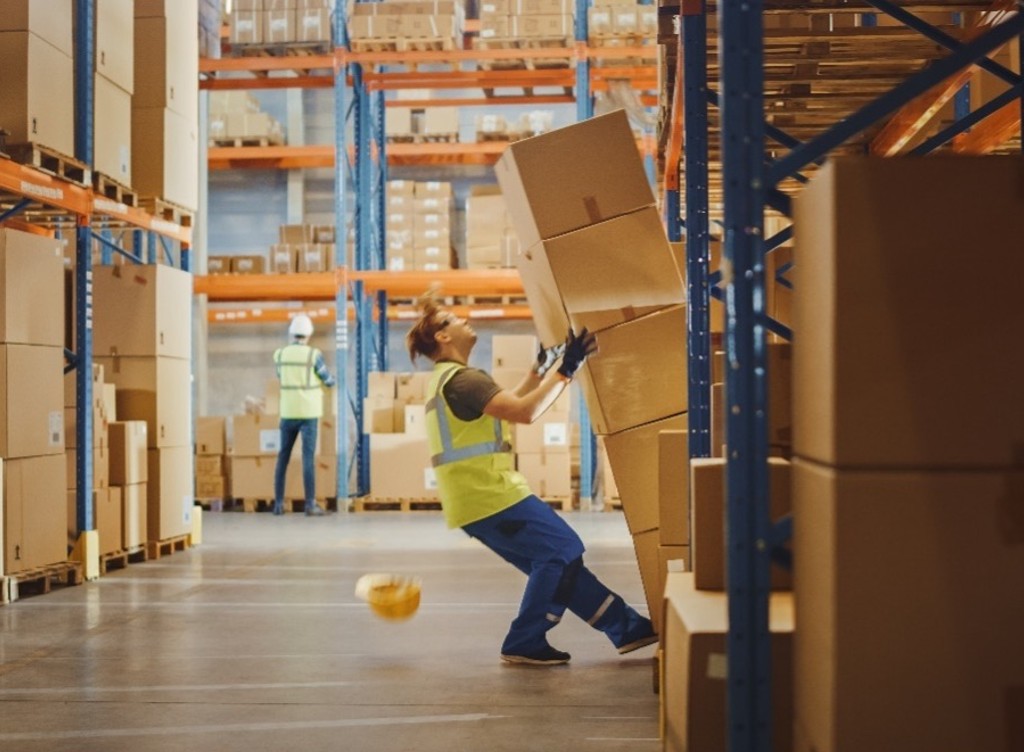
301, 371
481, 492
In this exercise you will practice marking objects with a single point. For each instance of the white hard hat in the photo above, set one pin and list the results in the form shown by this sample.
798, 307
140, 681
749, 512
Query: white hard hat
301, 326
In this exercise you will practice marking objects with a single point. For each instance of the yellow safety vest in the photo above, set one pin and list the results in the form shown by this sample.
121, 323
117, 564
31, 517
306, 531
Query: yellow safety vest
473, 460
300, 386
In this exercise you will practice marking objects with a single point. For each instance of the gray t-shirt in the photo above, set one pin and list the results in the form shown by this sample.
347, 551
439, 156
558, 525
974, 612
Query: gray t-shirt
468, 392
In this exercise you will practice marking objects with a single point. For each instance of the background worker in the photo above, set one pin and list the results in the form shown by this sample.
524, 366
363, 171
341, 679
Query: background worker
482, 493
301, 372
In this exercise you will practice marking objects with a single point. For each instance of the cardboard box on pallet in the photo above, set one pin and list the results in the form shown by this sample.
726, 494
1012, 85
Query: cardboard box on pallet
165, 156
903, 580
31, 314
251, 264
169, 493
210, 465
109, 519
134, 519
156, 390
50, 20
325, 478
112, 131
115, 50
128, 446
34, 513
279, 26
31, 386
254, 435
572, 177
881, 360
547, 26
211, 487
246, 27
36, 92
167, 75
137, 311
211, 432
695, 669
548, 473
645, 546
674, 488
400, 467
313, 25
100, 466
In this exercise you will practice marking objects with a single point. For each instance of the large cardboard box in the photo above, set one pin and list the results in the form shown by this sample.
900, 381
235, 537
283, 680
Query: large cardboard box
884, 363
549, 435
908, 589
400, 467
253, 477
31, 401
142, 310
158, 391
638, 374
210, 434
51, 20
633, 456
110, 519
325, 478
100, 467
167, 63
165, 151
254, 435
32, 283
596, 281
128, 445
169, 493
112, 131
36, 92
313, 25
549, 475
645, 545
115, 44
707, 519
696, 669
674, 486
134, 516
513, 350
572, 177
34, 513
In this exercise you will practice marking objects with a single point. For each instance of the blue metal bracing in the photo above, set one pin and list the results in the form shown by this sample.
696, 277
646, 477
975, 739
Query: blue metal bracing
673, 218
341, 331
693, 41
380, 238
363, 218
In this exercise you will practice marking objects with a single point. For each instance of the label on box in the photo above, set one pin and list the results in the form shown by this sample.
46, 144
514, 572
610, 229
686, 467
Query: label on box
429, 479
186, 509
270, 440
556, 434
55, 428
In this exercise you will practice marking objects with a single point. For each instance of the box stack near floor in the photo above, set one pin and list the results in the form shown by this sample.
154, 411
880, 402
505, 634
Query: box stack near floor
594, 254
908, 472
31, 399
104, 410
145, 347
394, 415
129, 475
211, 463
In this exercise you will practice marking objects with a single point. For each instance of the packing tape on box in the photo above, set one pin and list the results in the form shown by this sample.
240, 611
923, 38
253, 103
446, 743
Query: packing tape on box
593, 211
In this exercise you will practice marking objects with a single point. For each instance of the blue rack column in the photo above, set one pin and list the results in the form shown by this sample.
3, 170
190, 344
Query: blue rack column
380, 188
693, 53
341, 334
748, 524
363, 217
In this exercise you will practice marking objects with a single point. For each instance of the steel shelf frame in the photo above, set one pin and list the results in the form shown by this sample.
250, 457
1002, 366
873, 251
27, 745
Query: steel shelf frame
750, 185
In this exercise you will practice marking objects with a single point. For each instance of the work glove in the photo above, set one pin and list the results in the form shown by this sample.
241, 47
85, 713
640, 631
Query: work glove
546, 357
578, 347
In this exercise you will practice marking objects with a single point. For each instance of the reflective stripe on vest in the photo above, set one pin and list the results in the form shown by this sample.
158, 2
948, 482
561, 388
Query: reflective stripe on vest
448, 452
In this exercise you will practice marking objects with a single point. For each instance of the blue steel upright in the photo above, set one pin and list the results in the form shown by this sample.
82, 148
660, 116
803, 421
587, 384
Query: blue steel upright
379, 223
341, 331
363, 217
85, 41
748, 524
693, 41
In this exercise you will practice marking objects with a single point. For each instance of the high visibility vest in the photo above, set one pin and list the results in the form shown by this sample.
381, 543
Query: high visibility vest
300, 386
473, 460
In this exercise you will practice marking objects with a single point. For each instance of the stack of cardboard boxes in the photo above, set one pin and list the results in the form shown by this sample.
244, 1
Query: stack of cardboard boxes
211, 463
113, 77
145, 347
425, 123
528, 20
394, 415
418, 225
237, 120
104, 410
491, 241
621, 24
165, 103
277, 22
407, 24
303, 248
127, 495
31, 398
908, 475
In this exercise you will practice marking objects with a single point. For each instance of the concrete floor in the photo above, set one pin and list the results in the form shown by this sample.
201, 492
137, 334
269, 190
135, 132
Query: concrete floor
254, 641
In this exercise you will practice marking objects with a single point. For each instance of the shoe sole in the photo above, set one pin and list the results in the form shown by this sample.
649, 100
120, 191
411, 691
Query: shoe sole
637, 644
522, 659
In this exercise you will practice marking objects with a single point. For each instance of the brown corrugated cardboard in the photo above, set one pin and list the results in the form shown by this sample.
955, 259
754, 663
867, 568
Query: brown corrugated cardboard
608, 273
210, 434
137, 310
165, 156
246, 27
694, 640
400, 467
670, 559
156, 390
645, 545
31, 401
513, 350
548, 435
253, 477
167, 75
169, 493
209, 465
707, 518
248, 264
633, 456
279, 26
100, 466
253, 435
34, 513
36, 92
134, 520
881, 360
412, 387
210, 487
50, 20
381, 384
128, 444
638, 373
115, 49
112, 131
325, 472
32, 283
908, 589
674, 488
313, 25
109, 519
572, 177
548, 474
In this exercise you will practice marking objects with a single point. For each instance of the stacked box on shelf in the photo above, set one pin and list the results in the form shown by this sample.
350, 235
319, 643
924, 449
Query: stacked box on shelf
431, 225
104, 411
113, 77
165, 104
273, 22
491, 241
407, 24
622, 24
31, 398
399, 224
394, 417
129, 476
37, 87
145, 347
573, 221
303, 248
211, 463
908, 477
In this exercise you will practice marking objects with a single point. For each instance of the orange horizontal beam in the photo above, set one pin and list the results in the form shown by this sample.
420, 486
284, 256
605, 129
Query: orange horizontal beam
992, 132
25, 181
266, 82
23, 226
270, 157
537, 99
257, 315
265, 64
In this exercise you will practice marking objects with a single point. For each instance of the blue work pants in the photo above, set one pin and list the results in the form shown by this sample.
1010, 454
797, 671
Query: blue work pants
291, 428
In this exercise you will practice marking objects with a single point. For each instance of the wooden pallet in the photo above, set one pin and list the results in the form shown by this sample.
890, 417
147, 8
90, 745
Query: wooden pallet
387, 504
39, 580
290, 505
423, 138
115, 191
504, 136
525, 63
502, 300
52, 162
156, 549
282, 49
211, 504
121, 559
240, 141
561, 503
167, 210
422, 44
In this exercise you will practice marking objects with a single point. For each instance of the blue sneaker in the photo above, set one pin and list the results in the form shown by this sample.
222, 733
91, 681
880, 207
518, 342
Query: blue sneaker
640, 637
546, 656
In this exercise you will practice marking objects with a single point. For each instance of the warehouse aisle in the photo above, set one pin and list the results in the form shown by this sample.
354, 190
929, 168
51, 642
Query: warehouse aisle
254, 641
